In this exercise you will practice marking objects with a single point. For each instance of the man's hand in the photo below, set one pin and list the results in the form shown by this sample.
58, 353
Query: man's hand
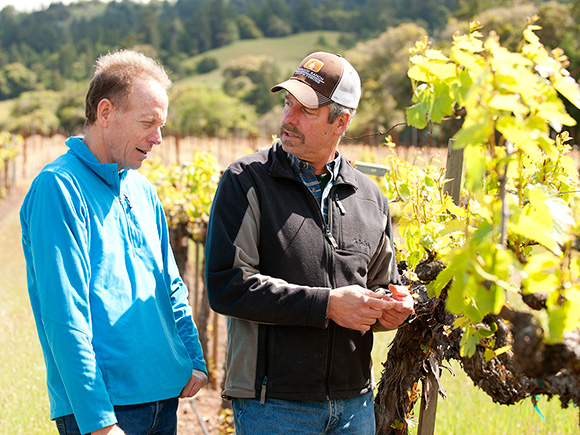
109, 430
198, 379
402, 307
356, 307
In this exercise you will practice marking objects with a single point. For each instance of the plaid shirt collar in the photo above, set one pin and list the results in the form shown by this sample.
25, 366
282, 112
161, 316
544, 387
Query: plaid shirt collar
304, 170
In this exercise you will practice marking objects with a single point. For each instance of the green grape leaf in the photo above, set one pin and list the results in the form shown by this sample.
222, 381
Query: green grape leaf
416, 115
442, 104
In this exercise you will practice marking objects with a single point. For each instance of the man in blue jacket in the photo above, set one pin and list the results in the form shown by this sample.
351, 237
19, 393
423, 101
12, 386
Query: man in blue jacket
300, 258
116, 330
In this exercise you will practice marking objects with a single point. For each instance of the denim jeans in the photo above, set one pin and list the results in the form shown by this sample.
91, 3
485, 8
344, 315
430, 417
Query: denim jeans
155, 418
330, 417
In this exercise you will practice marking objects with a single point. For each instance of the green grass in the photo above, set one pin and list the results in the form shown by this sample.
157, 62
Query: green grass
469, 411
288, 51
24, 407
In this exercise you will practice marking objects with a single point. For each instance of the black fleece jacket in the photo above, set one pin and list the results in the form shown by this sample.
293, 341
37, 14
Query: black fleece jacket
271, 264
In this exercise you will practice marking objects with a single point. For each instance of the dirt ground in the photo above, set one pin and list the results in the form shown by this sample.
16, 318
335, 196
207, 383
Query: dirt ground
203, 414
205, 406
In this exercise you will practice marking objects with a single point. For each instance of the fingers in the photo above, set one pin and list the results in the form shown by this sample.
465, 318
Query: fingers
389, 321
358, 308
196, 382
399, 292
403, 295
381, 303
393, 319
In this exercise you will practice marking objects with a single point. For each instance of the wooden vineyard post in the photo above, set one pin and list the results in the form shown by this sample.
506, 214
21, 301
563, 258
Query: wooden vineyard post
215, 348
196, 281
428, 410
24, 157
430, 390
453, 172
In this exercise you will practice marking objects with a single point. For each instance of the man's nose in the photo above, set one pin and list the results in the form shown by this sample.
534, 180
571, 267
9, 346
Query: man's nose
289, 115
156, 137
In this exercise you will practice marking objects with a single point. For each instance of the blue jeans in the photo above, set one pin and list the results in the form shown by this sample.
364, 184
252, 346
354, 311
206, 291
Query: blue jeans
330, 417
155, 418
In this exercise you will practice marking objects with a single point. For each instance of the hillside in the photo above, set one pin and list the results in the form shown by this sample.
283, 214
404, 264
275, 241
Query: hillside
285, 51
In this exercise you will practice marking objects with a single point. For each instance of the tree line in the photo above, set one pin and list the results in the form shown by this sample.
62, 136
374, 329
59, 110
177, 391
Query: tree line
60, 43
47, 56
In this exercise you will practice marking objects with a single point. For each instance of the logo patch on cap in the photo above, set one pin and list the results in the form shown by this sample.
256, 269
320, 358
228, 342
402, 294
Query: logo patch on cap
314, 65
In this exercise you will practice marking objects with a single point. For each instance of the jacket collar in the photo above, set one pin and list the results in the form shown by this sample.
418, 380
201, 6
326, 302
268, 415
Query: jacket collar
109, 172
281, 167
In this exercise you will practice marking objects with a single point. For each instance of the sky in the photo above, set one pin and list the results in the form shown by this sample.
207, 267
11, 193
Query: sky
35, 5
30, 5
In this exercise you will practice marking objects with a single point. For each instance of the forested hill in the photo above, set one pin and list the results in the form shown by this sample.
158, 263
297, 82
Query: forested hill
47, 56
56, 36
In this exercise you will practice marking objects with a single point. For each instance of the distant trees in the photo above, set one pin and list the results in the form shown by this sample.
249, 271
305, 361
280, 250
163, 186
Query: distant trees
199, 111
58, 40
15, 79
35, 112
250, 79
382, 64
55, 48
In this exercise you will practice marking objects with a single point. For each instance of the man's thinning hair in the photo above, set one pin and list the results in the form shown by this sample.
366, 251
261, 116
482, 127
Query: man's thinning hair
114, 76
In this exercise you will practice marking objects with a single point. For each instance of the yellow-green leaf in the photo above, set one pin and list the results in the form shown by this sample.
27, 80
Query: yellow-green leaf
511, 103
568, 87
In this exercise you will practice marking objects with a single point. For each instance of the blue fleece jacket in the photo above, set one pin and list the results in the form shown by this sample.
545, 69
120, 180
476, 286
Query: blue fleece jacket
110, 307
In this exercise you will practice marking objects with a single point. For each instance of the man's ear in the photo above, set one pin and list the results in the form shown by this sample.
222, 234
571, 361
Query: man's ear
104, 111
342, 123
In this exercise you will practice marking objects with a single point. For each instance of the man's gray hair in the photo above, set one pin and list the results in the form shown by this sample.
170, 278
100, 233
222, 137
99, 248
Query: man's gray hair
338, 109
114, 76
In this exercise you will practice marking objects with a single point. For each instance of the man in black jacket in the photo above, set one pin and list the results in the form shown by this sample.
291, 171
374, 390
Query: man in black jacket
300, 258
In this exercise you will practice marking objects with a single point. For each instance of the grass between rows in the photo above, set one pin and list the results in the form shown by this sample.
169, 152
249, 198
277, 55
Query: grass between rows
24, 407
469, 411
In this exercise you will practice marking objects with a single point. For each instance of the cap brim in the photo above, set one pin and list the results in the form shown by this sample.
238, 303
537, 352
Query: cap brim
307, 96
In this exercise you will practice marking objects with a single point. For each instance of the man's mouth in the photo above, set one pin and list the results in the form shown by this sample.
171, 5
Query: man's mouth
143, 151
291, 132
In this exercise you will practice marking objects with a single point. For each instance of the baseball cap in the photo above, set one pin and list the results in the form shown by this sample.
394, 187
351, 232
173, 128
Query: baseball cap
321, 78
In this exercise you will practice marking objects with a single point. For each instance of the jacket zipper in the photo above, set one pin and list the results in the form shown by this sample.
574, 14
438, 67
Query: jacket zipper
330, 237
127, 218
342, 213
331, 327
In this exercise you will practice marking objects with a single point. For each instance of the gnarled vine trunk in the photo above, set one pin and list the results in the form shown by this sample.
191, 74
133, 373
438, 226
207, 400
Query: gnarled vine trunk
529, 369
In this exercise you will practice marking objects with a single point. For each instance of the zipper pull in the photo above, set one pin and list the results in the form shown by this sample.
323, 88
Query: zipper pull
126, 199
331, 238
340, 206
263, 391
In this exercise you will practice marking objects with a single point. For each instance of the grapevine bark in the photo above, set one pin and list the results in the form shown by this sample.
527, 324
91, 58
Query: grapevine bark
529, 369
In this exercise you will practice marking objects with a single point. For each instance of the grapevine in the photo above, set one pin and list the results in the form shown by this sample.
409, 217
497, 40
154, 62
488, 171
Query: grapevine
186, 190
496, 277
9, 147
